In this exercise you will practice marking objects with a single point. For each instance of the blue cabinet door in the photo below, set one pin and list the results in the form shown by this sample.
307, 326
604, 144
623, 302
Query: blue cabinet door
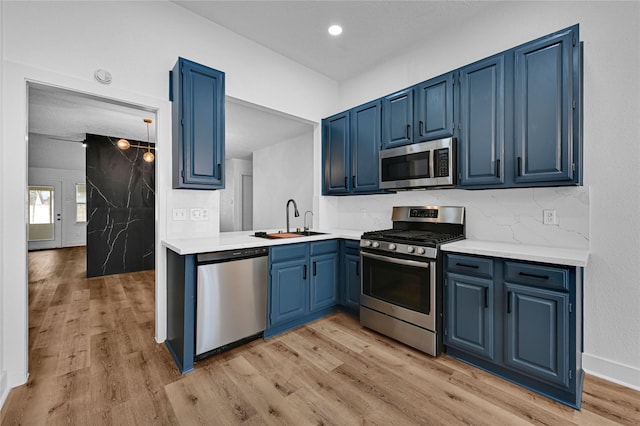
470, 314
434, 109
198, 126
537, 333
365, 147
352, 285
482, 123
324, 281
544, 109
289, 291
397, 119
335, 154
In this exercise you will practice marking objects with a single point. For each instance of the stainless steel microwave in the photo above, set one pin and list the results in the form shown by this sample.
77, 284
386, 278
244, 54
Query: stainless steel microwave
420, 165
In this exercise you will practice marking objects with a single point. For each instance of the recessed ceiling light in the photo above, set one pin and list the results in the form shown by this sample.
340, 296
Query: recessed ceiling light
335, 30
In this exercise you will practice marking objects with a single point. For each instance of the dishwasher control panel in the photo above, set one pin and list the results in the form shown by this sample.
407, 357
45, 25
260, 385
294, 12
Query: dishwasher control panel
228, 255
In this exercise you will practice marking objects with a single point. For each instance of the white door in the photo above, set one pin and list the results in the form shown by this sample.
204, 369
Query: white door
247, 202
45, 215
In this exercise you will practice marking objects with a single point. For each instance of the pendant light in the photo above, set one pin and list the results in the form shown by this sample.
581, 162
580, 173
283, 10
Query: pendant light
148, 156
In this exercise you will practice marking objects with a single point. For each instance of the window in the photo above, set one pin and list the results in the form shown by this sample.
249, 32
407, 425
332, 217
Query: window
81, 202
41, 227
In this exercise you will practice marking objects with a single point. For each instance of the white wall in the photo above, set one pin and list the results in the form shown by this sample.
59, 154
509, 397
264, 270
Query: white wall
603, 214
62, 161
282, 172
231, 196
4, 387
62, 44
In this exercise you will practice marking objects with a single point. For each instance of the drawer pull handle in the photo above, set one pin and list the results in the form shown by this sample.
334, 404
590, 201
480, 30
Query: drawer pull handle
315, 269
509, 302
465, 265
486, 297
304, 272
408, 131
498, 168
540, 277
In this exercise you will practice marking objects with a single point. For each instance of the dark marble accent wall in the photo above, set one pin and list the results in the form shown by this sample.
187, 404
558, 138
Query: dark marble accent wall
120, 208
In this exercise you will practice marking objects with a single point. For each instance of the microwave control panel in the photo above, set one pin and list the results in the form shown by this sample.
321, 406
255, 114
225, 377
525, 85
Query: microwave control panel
441, 157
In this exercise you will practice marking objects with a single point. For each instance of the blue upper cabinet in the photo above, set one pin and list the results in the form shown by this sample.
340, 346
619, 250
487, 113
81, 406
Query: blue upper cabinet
433, 112
197, 93
520, 116
544, 108
482, 122
365, 147
397, 119
350, 150
335, 154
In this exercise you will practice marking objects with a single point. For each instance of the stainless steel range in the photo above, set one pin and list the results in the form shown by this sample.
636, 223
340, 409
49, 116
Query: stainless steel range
402, 274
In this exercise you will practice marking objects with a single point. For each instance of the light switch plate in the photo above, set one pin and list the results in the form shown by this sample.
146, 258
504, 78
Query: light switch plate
179, 214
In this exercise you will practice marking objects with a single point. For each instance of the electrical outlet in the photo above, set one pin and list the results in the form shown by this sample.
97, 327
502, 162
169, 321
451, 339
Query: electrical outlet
199, 214
549, 217
179, 214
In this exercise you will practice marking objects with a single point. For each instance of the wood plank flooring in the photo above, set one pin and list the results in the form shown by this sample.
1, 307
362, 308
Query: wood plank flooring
93, 360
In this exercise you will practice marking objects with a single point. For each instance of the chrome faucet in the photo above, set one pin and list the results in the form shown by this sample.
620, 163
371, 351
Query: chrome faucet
295, 211
306, 228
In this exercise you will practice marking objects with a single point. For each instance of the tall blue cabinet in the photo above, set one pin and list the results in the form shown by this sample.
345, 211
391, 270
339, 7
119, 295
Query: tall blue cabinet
198, 116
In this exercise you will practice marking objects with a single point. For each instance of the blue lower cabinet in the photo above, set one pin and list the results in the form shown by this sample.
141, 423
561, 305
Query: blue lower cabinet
470, 314
537, 333
303, 283
350, 284
324, 281
519, 320
289, 291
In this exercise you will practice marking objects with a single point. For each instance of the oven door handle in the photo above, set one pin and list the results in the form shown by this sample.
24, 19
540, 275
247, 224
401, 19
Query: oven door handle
405, 262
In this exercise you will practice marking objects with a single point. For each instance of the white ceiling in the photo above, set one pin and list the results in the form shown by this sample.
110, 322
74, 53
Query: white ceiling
374, 31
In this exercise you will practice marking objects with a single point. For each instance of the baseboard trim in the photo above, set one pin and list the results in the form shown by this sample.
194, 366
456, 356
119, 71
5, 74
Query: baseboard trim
612, 371
4, 389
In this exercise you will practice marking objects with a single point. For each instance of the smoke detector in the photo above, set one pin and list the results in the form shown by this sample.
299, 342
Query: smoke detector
103, 76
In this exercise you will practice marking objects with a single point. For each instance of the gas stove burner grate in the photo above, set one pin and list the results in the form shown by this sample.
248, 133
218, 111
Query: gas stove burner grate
416, 236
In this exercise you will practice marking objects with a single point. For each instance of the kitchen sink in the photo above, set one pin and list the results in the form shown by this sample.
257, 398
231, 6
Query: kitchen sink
308, 233
276, 235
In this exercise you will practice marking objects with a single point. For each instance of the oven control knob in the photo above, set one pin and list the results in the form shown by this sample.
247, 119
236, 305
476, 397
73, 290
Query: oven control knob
367, 243
410, 249
375, 244
392, 246
420, 250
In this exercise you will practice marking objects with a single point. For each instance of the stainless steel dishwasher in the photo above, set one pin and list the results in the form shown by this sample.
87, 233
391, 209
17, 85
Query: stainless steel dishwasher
231, 298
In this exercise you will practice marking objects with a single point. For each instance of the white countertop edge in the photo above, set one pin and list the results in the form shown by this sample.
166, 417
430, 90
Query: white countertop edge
533, 253
245, 239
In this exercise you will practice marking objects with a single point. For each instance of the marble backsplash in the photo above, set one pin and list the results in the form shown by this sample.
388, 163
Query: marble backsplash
505, 215
120, 208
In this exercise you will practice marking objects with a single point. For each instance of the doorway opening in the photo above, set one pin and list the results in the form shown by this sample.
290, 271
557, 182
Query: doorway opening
59, 121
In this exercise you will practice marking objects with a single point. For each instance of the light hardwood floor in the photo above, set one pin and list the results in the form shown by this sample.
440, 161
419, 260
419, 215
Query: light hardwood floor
93, 360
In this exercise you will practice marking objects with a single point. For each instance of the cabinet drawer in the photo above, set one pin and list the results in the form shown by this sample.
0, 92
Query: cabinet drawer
469, 265
352, 247
324, 247
288, 252
552, 277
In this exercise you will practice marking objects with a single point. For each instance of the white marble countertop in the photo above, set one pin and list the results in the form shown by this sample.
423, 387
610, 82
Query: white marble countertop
555, 255
245, 239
